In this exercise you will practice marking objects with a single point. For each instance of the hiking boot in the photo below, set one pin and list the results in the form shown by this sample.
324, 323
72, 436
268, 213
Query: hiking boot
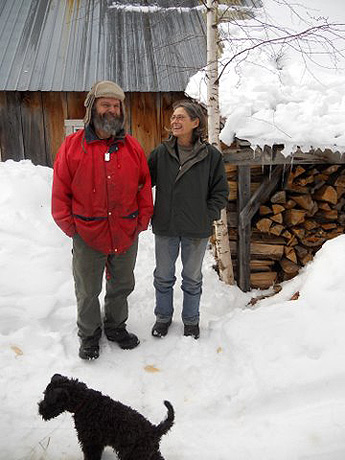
160, 328
87, 351
123, 338
191, 330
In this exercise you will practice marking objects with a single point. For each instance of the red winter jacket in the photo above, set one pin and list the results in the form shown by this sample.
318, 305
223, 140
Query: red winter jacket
102, 190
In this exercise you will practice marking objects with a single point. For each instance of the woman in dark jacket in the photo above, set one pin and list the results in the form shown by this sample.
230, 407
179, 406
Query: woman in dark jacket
191, 190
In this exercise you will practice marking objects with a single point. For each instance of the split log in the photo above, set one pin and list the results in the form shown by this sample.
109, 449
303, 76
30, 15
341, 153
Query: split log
297, 188
303, 181
299, 232
278, 218
263, 280
313, 241
290, 268
261, 265
287, 235
340, 182
290, 254
327, 193
278, 208
265, 210
310, 224
294, 217
262, 250
233, 189
340, 205
290, 204
279, 197
327, 215
276, 229
330, 226
304, 255
264, 224
305, 202
331, 169
324, 206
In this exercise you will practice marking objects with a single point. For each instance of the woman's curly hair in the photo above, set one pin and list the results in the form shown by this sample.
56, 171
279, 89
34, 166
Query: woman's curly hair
194, 111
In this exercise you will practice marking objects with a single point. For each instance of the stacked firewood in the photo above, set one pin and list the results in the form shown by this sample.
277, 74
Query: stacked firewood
306, 212
307, 209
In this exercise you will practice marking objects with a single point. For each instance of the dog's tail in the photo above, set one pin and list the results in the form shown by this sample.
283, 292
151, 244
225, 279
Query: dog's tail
165, 426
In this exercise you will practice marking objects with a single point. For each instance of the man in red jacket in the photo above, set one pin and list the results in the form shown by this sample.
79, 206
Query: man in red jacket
102, 199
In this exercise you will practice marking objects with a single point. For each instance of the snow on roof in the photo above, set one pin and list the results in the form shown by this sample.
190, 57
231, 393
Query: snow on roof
276, 94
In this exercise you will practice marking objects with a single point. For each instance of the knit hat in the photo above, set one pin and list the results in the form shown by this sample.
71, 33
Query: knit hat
103, 88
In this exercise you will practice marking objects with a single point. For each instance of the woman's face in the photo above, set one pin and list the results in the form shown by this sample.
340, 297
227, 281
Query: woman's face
182, 125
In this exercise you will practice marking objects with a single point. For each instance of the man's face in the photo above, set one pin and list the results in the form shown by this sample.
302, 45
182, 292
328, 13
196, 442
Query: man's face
108, 105
107, 116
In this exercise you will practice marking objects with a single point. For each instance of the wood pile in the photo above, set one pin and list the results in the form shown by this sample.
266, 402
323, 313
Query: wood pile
307, 210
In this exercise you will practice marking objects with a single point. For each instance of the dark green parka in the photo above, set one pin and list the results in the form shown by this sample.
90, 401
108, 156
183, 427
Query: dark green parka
189, 197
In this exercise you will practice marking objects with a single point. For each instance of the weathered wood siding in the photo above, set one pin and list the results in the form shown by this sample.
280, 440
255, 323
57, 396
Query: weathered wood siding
32, 123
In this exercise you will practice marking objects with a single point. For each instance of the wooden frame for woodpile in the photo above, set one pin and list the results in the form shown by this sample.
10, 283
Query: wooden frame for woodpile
283, 218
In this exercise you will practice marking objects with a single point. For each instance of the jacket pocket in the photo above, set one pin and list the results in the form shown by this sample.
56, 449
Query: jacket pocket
132, 215
88, 219
129, 223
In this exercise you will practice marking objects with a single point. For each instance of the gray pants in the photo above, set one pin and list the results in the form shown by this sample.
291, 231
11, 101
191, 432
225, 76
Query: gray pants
88, 270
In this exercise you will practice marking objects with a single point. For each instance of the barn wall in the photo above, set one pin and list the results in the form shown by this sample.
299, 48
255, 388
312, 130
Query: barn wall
32, 123
11, 131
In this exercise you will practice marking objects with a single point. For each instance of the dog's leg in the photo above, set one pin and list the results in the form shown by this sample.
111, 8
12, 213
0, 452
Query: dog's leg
92, 452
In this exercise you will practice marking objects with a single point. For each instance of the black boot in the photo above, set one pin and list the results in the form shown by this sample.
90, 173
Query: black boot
160, 328
123, 338
191, 330
87, 351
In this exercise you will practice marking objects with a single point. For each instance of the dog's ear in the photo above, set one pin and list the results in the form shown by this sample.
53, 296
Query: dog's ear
58, 378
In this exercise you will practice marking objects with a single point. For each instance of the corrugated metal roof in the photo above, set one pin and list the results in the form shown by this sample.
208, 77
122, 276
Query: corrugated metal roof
67, 45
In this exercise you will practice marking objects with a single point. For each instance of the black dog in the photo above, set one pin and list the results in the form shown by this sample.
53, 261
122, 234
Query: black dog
101, 421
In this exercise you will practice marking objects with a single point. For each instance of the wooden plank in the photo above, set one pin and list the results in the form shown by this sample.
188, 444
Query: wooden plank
259, 197
35, 147
11, 133
145, 120
55, 112
266, 157
75, 105
243, 253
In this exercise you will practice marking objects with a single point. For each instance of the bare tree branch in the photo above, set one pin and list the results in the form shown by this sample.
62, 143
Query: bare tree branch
315, 33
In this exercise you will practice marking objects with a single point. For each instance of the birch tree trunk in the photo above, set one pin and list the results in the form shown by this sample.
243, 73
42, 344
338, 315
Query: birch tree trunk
222, 248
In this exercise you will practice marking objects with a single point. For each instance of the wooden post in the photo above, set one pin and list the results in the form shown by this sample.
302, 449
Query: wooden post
247, 207
244, 229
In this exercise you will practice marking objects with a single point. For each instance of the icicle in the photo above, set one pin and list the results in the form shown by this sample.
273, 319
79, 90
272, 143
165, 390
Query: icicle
283, 175
292, 157
271, 162
262, 161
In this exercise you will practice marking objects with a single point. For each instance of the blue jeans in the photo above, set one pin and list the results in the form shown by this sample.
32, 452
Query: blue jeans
192, 254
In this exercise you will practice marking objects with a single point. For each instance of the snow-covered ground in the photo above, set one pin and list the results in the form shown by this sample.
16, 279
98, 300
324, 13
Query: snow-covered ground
261, 383
291, 93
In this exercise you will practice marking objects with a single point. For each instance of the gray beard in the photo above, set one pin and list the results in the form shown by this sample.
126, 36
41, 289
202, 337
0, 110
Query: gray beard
108, 123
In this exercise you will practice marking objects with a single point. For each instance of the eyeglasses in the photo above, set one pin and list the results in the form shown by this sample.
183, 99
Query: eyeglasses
178, 117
